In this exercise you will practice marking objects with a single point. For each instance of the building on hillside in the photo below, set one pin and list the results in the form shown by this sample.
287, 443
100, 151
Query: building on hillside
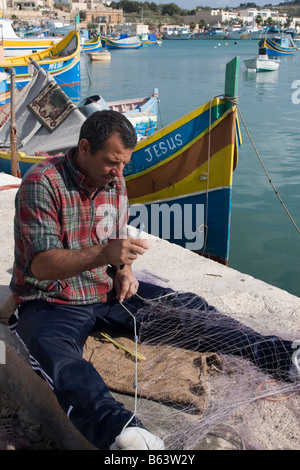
3, 6
211, 17
98, 13
133, 29
249, 16
246, 17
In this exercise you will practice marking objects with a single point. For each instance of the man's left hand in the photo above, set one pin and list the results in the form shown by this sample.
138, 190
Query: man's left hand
125, 283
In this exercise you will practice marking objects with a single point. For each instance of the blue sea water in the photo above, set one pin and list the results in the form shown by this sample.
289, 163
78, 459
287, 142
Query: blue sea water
264, 242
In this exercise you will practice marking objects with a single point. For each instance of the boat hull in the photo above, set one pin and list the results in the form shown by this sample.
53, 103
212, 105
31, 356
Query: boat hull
127, 43
100, 56
92, 46
63, 66
276, 46
25, 46
261, 65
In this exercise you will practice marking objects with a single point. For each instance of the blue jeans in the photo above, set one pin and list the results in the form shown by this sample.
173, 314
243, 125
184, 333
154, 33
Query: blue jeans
55, 335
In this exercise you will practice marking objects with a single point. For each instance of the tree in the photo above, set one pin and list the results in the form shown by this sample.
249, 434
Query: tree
201, 24
258, 20
170, 9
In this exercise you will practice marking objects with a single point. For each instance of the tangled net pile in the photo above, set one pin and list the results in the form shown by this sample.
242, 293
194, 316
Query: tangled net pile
186, 396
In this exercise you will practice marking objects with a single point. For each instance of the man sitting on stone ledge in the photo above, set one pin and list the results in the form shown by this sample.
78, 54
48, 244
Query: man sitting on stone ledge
72, 275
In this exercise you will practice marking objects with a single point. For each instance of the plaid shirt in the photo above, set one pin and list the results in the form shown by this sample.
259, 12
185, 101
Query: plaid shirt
53, 210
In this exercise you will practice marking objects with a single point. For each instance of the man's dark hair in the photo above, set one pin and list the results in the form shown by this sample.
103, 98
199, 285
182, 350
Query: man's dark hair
100, 125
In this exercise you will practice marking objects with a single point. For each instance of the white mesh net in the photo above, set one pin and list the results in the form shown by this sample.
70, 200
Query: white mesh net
196, 400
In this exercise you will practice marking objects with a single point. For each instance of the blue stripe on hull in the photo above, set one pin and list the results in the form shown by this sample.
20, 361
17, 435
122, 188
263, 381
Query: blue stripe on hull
164, 147
69, 80
214, 241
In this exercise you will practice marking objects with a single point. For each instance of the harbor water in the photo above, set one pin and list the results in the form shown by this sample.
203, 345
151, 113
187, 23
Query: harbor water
264, 241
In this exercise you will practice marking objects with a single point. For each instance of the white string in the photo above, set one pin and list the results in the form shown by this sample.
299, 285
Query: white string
135, 383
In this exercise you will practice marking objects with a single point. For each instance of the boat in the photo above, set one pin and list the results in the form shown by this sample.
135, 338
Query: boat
281, 44
211, 33
149, 39
123, 42
92, 46
262, 63
100, 56
185, 168
14, 45
62, 61
178, 34
141, 112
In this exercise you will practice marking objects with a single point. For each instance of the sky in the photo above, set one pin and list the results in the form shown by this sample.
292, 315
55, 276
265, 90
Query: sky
190, 4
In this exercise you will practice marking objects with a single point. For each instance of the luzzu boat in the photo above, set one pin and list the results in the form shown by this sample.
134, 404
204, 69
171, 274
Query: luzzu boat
62, 61
149, 39
93, 45
179, 178
14, 45
282, 44
123, 42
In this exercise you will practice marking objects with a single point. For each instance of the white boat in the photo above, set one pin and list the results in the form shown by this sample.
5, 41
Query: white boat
262, 63
246, 32
14, 45
180, 33
211, 33
100, 56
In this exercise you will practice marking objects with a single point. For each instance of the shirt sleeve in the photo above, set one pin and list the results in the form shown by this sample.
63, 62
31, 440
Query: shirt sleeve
36, 221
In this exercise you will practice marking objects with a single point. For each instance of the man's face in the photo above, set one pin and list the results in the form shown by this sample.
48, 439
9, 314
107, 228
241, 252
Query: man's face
101, 168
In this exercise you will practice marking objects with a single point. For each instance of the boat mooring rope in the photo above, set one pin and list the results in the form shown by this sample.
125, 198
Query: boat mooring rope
234, 101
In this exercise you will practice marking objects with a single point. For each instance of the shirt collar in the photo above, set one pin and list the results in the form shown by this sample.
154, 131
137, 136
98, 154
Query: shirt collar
76, 175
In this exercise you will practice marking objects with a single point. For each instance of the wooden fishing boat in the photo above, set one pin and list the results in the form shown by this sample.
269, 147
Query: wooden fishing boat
262, 63
141, 112
282, 44
14, 45
100, 56
183, 171
123, 42
92, 46
62, 61
149, 39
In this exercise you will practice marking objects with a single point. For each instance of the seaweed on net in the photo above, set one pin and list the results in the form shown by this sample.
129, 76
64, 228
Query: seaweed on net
231, 392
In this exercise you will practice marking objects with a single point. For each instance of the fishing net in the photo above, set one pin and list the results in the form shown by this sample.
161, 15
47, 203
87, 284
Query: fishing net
196, 390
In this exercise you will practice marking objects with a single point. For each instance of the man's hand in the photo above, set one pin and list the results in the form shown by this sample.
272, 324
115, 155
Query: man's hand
124, 251
125, 283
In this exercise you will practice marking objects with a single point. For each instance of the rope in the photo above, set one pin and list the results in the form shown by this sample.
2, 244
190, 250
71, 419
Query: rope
268, 176
234, 100
9, 186
135, 384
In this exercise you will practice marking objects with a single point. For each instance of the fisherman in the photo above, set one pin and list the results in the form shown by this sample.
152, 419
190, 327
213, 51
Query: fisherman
73, 274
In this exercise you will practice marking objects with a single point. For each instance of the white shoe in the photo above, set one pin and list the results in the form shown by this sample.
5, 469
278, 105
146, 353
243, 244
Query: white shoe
134, 438
294, 372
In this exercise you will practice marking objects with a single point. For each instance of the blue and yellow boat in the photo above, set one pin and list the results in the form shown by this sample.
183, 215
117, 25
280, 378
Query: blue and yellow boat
149, 39
62, 61
281, 44
123, 42
93, 45
179, 179
186, 171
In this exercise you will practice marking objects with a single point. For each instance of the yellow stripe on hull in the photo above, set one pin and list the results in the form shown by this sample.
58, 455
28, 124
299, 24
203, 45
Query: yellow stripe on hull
159, 134
220, 175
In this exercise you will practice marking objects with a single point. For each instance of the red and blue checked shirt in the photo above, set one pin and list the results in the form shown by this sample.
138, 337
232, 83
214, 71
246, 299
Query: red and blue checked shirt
53, 210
